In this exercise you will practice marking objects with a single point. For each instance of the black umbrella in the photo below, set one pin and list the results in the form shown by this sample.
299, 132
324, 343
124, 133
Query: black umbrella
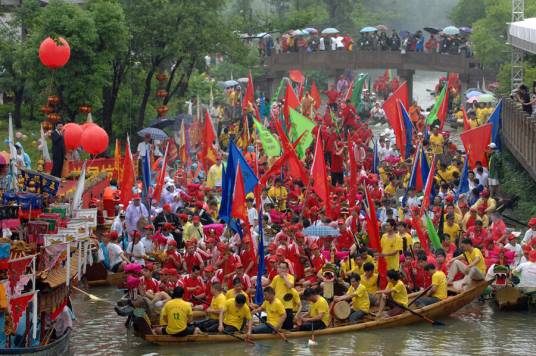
162, 123
432, 30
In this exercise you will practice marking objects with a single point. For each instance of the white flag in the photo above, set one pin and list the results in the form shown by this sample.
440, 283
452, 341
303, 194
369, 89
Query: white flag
77, 199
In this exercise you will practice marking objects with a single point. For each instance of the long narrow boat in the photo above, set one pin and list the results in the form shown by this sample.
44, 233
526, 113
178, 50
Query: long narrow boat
55, 348
437, 310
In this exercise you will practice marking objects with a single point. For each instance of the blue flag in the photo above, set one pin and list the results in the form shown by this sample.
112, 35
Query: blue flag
495, 120
236, 227
146, 177
259, 295
250, 180
375, 159
463, 187
408, 129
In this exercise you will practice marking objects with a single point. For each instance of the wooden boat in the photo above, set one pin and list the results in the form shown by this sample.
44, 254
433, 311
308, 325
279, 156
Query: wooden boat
55, 348
437, 310
97, 275
511, 298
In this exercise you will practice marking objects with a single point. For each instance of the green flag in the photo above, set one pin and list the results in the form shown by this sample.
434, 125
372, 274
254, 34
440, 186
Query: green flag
432, 233
358, 90
301, 124
432, 116
276, 94
271, 146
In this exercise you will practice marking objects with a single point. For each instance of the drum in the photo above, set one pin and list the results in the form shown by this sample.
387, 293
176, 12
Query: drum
342, 310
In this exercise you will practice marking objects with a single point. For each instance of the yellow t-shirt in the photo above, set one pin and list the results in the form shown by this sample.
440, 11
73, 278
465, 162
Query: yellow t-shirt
280, 288
370, 283
452, 231
408, 238
231, 295
390, 245
234, 316
320, 306
360, 298
348, 266
217, 303
279, 195
440, 281
471, 256
274, 311
436, 142
175, 314
399, 292
214, 176
296, 300
390, 189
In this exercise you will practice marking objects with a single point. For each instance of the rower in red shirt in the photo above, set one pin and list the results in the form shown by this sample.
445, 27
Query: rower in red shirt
317, 258
173, 259
192, 257
477, 234
194, 287
149, 283
227, 263
248, 258
345, 240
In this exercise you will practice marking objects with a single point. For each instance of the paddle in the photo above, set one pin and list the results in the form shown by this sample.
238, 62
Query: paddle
425, 318
312, 340
281, 335
92, 296
239, 338
420, 295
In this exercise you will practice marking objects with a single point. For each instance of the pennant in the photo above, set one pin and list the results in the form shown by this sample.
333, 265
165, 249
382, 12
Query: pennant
80, 186
353, 172
146, 177
277, 92
16, 270
435, 112
416, 224
270, 145
159, 186
315, 94
249, 97
392, 112
466, 122
239, 210
432, 233
52, 254
375, 159
476, 143
296, 168
373, 232
127, 179
301, 125
17, 307
358, 91
319, 174
183, 150
208, 153
259, 295
291, 102
495, 120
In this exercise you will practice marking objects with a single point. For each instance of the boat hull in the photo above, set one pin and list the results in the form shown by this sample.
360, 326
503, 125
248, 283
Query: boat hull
436, 310
55, 348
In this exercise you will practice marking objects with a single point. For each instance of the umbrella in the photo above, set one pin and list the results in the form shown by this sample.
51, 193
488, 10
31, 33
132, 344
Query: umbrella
263, 34
311, 30
382, 28
330, 31
451, 30
321, 231
368, 29
486, 98
299, 33
432, 30
473, 93
228, 83
466, 29
156, 134
473, 99
243, 80
162, 123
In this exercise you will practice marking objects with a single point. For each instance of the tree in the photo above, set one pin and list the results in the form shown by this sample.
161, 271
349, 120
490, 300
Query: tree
467, 12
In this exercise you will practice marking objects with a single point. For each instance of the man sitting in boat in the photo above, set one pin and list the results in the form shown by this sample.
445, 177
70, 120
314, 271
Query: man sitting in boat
235, 312
527, 273
359, 296
438, 290
318, 316
111, 254
370, 281
395, 295
474, 270
215, 308
275, 312
176, 315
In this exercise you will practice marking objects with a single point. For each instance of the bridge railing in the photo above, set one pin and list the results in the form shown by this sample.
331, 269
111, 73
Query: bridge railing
519, 135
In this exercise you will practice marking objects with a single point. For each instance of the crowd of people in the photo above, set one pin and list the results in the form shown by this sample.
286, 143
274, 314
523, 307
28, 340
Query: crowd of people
181, 258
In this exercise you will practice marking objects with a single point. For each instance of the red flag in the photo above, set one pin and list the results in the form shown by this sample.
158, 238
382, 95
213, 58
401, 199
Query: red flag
316, 96
296, 168
208, 154
296, 76
349, 92
443, 109
173, 152
466, 123
416, 223
319, 175
275, 168
373, 232
117, 160
127, 179
239, 210
402, 94
291, 101
249, 96
353, 171
18, 306
160, 178
428, 188
392, 113
281, 161
476, 143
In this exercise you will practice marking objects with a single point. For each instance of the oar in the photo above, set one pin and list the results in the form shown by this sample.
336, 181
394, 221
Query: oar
281, 335
239, 338
312, 341
91, 296
425, 318
420, 295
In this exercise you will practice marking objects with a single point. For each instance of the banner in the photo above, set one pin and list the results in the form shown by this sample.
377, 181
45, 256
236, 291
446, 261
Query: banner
18, 306
301, 125
271, 146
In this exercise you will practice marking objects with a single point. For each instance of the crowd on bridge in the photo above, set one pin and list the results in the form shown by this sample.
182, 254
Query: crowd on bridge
329, 211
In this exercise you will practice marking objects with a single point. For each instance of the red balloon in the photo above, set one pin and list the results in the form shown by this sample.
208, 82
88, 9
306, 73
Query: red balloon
72, 134
53, 55
87, 125
94, 140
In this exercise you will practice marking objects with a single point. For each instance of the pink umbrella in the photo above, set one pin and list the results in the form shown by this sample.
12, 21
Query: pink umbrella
472, 99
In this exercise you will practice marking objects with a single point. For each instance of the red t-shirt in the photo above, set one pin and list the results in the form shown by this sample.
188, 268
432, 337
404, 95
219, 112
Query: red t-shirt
332, 95
337, 164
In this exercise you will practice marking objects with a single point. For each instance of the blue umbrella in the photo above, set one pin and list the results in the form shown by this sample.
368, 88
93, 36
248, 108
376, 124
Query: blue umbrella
466, 29
451, 30
472, 93
156, 134
368, 29
321, 231
330, 31
311, 30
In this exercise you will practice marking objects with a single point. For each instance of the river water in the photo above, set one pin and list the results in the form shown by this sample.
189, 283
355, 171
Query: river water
477, 329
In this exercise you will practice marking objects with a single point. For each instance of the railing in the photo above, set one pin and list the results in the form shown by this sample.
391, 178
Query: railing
519, 135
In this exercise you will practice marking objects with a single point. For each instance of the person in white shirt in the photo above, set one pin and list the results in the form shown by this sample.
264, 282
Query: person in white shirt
482, 176
527, 271
321, 44
252, 212
114, 256
136, 249
144, 149
135, 211
531, 232
516, 248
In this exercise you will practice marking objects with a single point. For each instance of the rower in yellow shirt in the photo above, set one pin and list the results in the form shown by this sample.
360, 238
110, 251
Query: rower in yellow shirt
474, 271
370, 280
438, 291
236, 290
394, 295
318, 316
359, 296
214, 309
451, 228
235, 312
275, 313
176, 315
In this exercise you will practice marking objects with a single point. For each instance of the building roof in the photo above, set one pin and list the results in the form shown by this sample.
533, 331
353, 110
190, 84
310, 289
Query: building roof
523, 35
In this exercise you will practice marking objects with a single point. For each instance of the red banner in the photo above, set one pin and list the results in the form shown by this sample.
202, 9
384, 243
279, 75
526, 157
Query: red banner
17, 269
18, 306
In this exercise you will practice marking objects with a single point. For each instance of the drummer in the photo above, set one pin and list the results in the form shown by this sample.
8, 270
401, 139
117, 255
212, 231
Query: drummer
275, 311
359, 296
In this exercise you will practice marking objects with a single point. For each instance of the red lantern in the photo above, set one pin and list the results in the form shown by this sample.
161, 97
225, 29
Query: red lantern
162, 110
161, 93
54, 117
72, 134
53, 55
161, 77
94, 140
47, 109
85, 109
53, 100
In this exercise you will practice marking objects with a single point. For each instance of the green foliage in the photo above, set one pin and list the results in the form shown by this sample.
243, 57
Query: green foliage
467, 12
504, 75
